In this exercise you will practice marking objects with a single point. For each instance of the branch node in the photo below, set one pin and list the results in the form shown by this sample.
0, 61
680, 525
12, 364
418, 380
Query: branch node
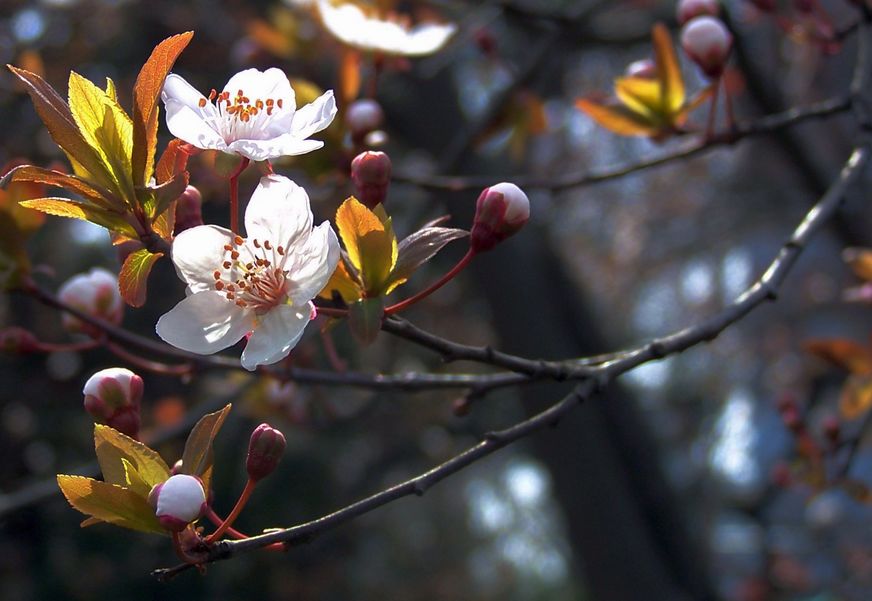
657, 349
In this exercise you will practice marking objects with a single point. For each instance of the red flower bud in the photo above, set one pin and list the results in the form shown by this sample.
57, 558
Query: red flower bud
371, 173
363, 116
112, 397
178, 501
688, 9
95, 293
188, 210
264, 451
708, 43
500, 211
18, 341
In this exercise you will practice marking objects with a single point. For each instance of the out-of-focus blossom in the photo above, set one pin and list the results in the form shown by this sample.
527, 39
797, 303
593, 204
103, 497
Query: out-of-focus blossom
94, 293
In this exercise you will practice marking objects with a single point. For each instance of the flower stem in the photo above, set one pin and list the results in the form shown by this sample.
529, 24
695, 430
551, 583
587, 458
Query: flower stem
216, 519
433, 287
146, 364
237, 509
234, 195
713, 111
52, 347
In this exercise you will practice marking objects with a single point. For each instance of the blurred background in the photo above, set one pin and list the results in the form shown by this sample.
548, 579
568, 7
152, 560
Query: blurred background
679, 482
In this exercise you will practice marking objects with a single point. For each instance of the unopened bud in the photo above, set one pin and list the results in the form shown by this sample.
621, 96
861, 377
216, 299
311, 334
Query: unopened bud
18, 341
500, 211
363, 116
688, 9
188, 210
112, 397
707, 42
178, 501
644, 68
371, 173
265, 449
94, 293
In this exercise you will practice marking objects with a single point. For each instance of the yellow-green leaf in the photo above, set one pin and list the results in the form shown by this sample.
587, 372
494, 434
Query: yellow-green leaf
642, 96
133, 277
110, 503
113, 448
370, 243
134, 479
668, 70
146, 92
59, 122
618, 119
344, 283
64, 207
107, 128
197, 457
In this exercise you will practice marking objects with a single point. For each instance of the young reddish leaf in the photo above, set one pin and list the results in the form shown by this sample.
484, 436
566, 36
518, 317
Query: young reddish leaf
172, 161
856, 397
146, 93
133, 278
64, 207
417, 249
71, 183
349, 75
165, 223
369, 241
106, 128
197, 457
617, 118
113, 448
365, 319
157, 199
668, 71
59, 122
860, 262
843, 353
110, 503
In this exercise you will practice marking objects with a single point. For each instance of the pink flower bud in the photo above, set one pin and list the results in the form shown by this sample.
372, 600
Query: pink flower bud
371, 173
188, 210
363, 116
95, 293
644, 68
688, 9
178, 501
707, 42
501, 210
112, 397
264, 451
18, 341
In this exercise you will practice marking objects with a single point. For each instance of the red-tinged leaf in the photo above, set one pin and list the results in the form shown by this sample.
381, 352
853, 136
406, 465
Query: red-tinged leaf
64, 207
165, 223
842, 353
58, 119
197, 457
113, 448
155, 200
618, 119
365, 319
417, 249
668, 70
110, 503
856, 397
860, 262
349, 75
133, 278
173, 160
70, 183
146, 93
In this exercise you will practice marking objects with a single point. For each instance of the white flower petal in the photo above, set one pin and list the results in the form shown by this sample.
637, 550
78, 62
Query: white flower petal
176, 88
278, 211
290, 145
277, 333
185, 124
315, 116
313, 263
256, 84
204, 323
198, 252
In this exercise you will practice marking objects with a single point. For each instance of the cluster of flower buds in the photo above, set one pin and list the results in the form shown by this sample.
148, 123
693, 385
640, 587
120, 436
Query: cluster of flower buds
178, 501
704, 37
188, 210
501, 210
265, 449
94, 293
363, 117
371, 174
112, 397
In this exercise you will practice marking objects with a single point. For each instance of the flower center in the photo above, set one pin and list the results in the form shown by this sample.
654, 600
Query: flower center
258, 284
240, 111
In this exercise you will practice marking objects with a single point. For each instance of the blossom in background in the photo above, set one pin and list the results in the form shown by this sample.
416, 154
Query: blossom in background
254, 116
349, 24
261, 285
